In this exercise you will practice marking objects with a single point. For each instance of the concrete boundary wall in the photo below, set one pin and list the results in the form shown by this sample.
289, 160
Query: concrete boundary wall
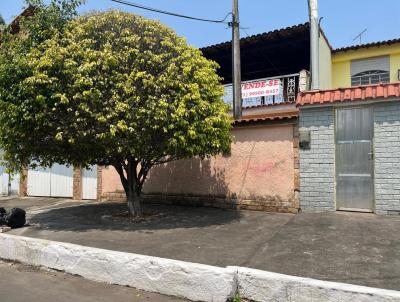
260, 174
196, 282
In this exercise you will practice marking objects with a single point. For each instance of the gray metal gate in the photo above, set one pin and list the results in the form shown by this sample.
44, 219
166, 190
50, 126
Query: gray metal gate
354, 159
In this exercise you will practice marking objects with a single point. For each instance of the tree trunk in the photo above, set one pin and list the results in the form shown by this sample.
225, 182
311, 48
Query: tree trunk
132, 181
134, 204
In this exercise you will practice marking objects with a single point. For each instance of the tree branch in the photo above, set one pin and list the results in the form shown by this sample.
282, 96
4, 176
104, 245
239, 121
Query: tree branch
120, 170
164, 160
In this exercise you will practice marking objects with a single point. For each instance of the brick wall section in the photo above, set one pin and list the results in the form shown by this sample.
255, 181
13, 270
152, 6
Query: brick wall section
387, 157
317, 164
273, 205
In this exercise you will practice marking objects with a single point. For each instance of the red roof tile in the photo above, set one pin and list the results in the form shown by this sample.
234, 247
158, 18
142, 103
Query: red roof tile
268, 117
359, 93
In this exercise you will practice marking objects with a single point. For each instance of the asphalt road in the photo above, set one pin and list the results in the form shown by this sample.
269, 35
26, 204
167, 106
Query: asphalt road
21, 283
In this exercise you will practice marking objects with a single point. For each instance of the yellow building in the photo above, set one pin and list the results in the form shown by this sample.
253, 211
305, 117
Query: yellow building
366, 64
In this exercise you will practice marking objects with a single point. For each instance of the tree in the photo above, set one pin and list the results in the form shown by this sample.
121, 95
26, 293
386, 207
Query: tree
115, 89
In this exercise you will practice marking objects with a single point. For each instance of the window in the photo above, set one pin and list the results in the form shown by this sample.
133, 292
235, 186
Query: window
372, 70
370, 77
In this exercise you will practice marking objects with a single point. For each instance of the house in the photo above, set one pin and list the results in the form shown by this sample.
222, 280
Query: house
336, 148
262, 171
366, 64
350, 134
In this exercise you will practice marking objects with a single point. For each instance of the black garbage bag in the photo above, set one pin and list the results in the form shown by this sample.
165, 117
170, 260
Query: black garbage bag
3, 216
16, 218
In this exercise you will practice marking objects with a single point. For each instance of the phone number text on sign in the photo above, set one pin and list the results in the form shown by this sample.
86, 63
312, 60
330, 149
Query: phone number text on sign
261, 88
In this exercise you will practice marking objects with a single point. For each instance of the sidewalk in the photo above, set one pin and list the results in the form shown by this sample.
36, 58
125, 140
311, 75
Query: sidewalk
21, 283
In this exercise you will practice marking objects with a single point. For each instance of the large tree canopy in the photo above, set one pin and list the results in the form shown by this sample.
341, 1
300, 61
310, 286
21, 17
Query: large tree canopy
114, 89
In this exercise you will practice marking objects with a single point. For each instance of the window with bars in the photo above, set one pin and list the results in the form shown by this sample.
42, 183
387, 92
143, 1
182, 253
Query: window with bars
370, 77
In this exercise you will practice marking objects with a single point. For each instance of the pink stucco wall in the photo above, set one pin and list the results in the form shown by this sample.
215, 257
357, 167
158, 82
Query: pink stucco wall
110, 181
261, 166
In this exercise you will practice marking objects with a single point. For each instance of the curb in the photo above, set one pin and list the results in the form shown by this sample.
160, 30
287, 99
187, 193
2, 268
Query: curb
257, 285
192, 281
197, 282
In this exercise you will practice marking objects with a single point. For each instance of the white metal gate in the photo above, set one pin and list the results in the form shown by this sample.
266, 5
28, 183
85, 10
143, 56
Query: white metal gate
3, 182
89, 183
56, 181
13, 183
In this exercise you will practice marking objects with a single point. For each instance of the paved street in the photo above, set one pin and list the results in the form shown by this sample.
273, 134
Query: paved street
21, 283
353, 248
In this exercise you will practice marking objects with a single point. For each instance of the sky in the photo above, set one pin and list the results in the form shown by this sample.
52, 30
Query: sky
342, 19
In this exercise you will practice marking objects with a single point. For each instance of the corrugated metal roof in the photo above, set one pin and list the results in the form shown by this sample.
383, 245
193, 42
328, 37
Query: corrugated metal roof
274, 34
351, 94
367, 45
271, 54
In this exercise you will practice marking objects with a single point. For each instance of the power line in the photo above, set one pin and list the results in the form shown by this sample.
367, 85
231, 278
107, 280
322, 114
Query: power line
171, 13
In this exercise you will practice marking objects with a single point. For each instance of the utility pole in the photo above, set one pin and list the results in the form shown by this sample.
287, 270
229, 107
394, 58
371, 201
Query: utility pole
236, 77
314, 34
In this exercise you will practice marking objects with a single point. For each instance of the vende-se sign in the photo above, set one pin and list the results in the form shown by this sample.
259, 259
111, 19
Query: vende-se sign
261, 88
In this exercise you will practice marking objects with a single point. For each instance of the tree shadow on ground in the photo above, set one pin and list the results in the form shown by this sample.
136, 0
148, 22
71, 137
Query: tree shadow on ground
195, 175
97, 217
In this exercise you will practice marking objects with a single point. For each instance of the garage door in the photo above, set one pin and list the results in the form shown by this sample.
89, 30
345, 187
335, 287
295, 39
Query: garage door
13, 184
9, 184
56, 181
89, 183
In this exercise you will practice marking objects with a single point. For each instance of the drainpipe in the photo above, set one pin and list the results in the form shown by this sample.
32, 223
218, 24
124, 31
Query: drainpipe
314, 37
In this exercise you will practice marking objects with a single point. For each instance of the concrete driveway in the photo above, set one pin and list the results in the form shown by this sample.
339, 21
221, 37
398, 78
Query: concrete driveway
353, 248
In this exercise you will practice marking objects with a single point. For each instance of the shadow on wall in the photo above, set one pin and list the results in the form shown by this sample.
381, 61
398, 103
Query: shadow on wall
191, 177
257, 175
259, 168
